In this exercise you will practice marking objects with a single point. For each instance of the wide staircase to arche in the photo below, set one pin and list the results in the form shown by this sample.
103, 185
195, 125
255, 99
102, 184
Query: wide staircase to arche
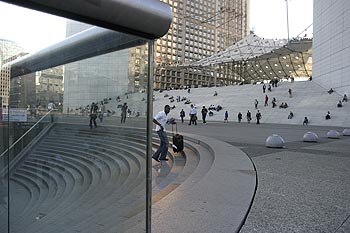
90, 180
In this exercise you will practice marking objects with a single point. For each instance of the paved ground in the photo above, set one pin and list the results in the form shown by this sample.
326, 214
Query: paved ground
302, 188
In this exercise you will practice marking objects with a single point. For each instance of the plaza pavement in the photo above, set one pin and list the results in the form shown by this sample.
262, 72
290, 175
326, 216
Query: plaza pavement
302, 188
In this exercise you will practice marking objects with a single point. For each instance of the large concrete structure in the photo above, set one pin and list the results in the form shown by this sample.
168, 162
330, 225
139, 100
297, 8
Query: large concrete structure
256, 59
200, 28
331, 45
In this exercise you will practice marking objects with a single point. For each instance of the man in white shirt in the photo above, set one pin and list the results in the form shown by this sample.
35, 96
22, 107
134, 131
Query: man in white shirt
161, 120
193, 115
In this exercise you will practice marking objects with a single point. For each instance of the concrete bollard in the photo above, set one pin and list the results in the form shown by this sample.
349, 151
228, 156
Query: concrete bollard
310, 137
275, 141
346, 132
333, 134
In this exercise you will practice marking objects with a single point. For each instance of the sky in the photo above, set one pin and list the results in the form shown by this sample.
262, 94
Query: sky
34, 30
271, 22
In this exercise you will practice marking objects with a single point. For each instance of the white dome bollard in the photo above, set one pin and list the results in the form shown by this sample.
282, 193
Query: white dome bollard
310, 137
333, 134
275, 141
346, 132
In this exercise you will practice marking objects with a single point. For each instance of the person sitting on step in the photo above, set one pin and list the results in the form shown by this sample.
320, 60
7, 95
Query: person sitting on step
328, 116
339, 105
291, 115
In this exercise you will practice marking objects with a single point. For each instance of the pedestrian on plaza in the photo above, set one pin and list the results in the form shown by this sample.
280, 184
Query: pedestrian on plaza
339, 105
101, 112
226, 117
239, 117
266, 100
274, 104
193, 115
161, 119
249, 117
123, 114
306, 121
204, 114
264, 88
291, 115
93, 114
258, 117
182, 115
269, 88
328, 116
345, 98
290, 93
256, 102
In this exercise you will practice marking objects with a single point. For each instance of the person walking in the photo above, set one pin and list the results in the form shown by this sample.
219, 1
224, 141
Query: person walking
264, 88
266, 100
226, 117
258, 117
269, 88
204, 114
249, 116
193, 115
182, 115
101, 112
290, 93
239, 117
256, 102
161, 119
93, 114
123, 115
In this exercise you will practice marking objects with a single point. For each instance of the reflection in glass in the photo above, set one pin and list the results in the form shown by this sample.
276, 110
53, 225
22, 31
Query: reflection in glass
65, 176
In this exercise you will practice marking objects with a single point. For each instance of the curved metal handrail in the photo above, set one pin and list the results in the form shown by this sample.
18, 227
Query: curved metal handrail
29, 130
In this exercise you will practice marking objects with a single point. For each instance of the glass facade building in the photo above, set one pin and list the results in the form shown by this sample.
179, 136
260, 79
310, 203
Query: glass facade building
200, 28
9, 50
106, 77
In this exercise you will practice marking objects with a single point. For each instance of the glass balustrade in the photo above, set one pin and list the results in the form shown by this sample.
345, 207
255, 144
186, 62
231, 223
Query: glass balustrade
74, 134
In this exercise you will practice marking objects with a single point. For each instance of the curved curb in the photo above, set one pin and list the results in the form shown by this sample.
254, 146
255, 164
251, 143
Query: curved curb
219, 201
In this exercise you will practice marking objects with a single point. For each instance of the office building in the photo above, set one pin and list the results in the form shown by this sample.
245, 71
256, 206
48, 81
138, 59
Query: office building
331, 45
49, 86
200, 28
9, 51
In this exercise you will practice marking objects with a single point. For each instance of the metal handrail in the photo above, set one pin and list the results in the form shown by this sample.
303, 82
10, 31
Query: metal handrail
19, 139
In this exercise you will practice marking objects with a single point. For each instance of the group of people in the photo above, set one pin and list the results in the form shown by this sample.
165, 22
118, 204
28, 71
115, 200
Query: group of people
204, 113
268, 88
98, 112
340, 103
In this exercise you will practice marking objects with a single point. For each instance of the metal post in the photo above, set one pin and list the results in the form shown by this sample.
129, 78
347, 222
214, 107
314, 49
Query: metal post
149, 136
287, 19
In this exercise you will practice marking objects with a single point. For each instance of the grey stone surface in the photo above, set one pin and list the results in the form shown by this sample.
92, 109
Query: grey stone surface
214, 201
303, 188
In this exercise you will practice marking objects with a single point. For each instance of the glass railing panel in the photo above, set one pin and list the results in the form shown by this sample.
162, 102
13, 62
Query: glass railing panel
82, 166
